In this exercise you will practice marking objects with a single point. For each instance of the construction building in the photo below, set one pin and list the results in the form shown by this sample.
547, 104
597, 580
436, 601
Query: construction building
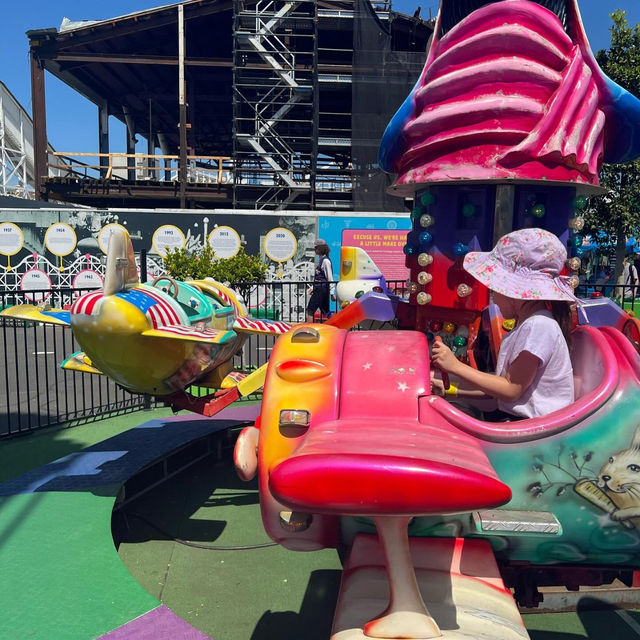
244, 104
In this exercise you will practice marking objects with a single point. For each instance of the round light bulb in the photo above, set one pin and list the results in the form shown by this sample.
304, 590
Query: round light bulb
424, 278
459, 341
538, 210
448, 327
426, 220
468, 210
425, 259
579, 202
460, 249
427, 199
574, 281
464, 290
425, 238
413, 287
574, 264
423, 298
577, 223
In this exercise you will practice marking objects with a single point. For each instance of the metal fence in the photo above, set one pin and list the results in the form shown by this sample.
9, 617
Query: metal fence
35, 392
625, 296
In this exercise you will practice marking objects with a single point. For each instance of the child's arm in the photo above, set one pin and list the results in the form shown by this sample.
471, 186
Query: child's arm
509, 388
463, 389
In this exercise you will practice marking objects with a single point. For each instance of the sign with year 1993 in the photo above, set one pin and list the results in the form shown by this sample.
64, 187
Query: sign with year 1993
166, 237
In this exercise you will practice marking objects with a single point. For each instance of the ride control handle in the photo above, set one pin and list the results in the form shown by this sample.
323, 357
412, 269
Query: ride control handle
445, 376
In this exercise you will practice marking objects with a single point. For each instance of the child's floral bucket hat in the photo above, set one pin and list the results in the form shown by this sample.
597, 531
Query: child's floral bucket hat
524, 265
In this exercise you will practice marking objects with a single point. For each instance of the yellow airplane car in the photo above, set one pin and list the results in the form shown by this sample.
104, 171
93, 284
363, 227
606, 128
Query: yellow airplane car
159, 338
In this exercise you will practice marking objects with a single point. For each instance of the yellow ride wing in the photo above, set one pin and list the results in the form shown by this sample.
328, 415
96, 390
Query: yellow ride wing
35, 313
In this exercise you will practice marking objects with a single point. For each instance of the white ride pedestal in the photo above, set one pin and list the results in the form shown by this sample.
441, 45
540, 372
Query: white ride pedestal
458, 580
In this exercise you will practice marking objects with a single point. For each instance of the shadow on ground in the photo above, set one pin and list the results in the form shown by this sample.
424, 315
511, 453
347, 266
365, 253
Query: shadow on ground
314, 620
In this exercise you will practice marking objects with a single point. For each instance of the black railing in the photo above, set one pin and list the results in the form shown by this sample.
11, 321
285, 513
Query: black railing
35, 392
626, 296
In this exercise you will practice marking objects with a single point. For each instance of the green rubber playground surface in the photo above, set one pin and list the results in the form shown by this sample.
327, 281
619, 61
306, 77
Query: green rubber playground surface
36, 548
258, 594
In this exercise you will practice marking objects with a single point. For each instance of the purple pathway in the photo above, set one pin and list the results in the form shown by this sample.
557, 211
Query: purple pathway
158, 624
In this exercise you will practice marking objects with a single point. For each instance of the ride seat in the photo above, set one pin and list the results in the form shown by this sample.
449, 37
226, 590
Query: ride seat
376, 458
596, 374
194, 302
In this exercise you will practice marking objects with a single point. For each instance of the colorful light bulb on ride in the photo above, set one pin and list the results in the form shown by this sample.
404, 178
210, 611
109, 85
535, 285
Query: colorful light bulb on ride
426, 220
424, 259
448, 327
574, 263
576, 224
538, 211
427, 199
464, 290
460, 249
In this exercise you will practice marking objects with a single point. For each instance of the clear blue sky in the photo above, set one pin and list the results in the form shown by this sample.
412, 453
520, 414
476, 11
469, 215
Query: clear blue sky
72, 120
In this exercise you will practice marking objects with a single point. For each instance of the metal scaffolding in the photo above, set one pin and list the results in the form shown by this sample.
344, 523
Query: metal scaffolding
274, 103
288, 97
16, 147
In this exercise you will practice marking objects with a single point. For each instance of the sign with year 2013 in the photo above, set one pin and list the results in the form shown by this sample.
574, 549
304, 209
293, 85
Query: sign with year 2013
225, 242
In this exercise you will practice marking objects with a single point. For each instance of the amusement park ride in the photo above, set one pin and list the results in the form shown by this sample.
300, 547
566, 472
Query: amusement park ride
506, 128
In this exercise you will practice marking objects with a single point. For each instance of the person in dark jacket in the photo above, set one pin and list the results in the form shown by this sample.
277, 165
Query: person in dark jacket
323, 276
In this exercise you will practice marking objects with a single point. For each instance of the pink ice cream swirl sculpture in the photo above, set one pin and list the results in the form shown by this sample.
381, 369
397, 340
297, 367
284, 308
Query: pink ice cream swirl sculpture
508, 93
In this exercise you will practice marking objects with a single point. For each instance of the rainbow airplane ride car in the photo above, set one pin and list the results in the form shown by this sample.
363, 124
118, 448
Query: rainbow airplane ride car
159, 338
506, 128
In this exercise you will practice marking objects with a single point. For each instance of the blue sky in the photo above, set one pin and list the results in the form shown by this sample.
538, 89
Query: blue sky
72, 120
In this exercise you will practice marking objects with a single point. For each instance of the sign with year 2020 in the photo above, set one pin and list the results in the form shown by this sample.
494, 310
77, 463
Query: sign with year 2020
280, 245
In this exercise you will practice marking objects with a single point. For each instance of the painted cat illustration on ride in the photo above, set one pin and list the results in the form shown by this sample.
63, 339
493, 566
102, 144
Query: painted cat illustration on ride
619, 479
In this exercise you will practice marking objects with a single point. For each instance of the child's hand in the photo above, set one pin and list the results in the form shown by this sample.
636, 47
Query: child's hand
442, 357
437, 386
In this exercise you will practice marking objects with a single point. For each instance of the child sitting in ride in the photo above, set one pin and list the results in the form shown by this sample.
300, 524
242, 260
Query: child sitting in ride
533, 375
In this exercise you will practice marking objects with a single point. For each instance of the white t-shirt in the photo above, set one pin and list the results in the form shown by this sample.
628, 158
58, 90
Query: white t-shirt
552, 387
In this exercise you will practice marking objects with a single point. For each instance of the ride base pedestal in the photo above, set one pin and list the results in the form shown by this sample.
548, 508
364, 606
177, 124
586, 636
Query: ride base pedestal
458, 579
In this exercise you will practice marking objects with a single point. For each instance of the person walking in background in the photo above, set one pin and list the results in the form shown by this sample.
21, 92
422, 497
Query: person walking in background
629, 278
636, 263
323, 276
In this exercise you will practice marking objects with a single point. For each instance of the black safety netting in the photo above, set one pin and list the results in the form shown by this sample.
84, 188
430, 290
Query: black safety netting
382, 79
